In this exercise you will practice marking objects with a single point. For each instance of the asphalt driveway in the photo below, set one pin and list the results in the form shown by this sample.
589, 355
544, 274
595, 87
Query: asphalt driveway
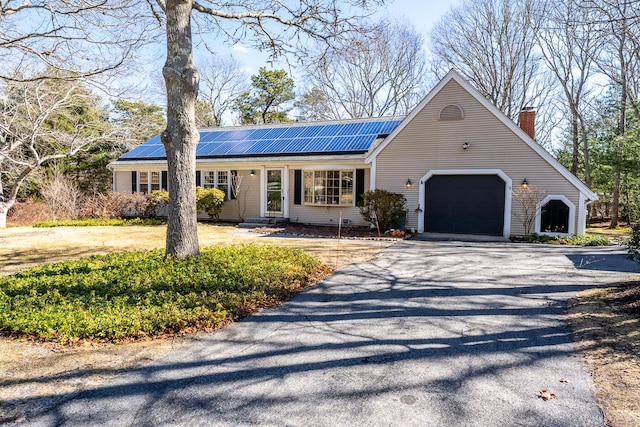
429, 334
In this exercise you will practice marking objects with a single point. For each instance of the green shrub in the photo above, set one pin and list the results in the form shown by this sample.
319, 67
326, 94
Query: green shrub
210, 200
578, 240
633, 244
91, 222
133, 295
584, 240
385, 208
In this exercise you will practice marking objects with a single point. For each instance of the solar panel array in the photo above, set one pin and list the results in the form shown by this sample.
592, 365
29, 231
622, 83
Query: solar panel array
326, 138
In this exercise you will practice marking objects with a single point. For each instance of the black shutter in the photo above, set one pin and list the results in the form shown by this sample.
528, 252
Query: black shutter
232, 179
163, 180
359, 186
134, 181
198, 179
297, 187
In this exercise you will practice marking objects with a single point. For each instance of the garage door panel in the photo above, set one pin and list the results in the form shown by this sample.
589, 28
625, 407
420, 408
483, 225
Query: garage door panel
465, 204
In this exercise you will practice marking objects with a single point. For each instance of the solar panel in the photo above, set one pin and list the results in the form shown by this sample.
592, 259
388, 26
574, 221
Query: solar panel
352, 136
207, 136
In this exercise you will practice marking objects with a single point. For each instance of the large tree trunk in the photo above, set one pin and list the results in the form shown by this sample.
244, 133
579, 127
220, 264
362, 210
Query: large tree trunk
181, 136
4, 210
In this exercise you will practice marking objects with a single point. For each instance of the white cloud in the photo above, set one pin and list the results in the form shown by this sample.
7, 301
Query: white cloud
239, 48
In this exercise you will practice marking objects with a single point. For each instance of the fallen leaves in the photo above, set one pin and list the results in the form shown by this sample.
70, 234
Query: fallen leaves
546, 395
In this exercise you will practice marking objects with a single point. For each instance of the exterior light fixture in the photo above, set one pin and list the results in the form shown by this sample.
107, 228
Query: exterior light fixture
465, 145
525, 184
409, 184
252, 172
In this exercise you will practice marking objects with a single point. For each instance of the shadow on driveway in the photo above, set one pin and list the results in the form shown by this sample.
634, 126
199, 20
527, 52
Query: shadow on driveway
431, 333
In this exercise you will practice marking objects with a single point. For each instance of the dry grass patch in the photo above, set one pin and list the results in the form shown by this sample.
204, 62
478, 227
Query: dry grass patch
606, 325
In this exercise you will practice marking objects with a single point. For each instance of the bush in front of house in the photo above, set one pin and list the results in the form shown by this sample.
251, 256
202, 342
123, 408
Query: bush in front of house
384, 209
576, 240
117, 205
140, 294
210, 200
633, 244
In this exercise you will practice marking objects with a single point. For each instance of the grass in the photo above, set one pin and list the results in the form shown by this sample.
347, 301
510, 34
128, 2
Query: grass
139, 294
93, 222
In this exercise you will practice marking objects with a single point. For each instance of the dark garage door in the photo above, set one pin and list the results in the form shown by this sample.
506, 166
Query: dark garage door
465, 204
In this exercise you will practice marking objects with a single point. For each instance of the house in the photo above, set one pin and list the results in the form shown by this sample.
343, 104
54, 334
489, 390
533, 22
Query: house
455, 157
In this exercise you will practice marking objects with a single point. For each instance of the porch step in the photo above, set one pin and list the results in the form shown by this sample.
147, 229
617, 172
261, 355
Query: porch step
262, 222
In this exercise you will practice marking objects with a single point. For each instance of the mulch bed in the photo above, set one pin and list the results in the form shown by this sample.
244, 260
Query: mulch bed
301, 230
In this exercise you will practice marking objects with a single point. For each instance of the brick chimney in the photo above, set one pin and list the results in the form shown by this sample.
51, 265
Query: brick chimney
528, 121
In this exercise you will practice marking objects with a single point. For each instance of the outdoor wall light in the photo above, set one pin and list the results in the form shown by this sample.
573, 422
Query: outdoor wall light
252, 172
409, 184
465, 145
525, 184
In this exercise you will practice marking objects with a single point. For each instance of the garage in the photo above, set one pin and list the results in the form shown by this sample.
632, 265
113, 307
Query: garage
465, 204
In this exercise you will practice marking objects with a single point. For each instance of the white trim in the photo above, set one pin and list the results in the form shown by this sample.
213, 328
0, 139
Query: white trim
280, 213
582, 214
506, 230
263, 190
372, 174
572, 214
285, 192
454, 75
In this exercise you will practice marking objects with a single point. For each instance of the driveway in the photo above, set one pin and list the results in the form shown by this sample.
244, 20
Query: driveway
428, 334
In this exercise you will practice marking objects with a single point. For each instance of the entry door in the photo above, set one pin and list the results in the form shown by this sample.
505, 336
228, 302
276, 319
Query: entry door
274, 192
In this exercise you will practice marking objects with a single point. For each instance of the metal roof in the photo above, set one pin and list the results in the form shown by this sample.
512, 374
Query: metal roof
294, 139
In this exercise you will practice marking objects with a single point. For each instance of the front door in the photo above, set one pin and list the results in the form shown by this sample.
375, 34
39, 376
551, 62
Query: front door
274, 192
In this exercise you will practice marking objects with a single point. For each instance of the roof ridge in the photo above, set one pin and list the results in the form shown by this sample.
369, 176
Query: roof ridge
312, 123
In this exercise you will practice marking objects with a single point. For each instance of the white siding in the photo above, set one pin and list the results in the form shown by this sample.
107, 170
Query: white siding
248, 200
123, 181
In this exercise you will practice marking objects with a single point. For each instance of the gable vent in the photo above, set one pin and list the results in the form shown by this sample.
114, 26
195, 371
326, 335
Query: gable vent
451, 112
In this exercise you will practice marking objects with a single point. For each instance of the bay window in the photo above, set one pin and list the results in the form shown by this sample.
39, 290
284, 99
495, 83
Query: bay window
328, 187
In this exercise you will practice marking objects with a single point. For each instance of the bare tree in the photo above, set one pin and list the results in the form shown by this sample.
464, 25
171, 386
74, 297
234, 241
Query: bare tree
78, 38
526, 199
312, 106
222, 82
492, 43
568, 40
619, 59
239, 192
270, 24
377, 73
39, 123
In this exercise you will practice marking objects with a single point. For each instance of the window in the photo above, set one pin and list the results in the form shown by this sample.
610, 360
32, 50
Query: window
144, 182
219, 180
149, 181
554, 217
223, 182
209, 179
332, 187
155, 181
451, 112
